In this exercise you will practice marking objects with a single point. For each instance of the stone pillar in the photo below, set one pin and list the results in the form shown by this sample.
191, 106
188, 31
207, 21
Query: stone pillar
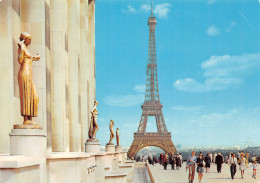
31, 143
48, 76
110, 148
84, 110
58, 9
118, 148
6, 74
91, 48
28, 142
73, 56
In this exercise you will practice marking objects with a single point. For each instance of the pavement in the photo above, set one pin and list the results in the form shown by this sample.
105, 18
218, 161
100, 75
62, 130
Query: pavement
140, 174
181, 176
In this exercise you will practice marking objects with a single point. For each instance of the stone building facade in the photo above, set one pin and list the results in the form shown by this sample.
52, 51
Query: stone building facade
63, 33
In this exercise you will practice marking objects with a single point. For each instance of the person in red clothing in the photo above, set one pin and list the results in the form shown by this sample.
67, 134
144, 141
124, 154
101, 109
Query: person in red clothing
165, 161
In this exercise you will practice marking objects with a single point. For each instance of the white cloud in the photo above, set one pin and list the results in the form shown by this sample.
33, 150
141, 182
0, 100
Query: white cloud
160, 10
211, 84
124, 100
213, 31
231, 26
140, 88
212, 1
146, 7
227, 66
221, 72
212, 119
240, 116
186, 108
130, 9
127, 100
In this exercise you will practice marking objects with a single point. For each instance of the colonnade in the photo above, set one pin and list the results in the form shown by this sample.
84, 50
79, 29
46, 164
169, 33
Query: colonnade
63, 33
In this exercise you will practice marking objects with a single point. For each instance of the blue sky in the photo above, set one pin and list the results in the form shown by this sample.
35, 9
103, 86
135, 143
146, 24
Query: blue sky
208, 57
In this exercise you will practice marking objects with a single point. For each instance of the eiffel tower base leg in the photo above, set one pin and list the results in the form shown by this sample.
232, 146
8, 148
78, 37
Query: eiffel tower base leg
161, 140
92, 146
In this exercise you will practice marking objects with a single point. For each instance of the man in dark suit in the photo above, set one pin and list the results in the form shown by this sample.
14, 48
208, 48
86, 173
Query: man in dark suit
219, 161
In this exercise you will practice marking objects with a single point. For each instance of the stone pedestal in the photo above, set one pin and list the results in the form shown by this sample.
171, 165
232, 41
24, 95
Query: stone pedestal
110, 148
28, 142
92, 146
118, 148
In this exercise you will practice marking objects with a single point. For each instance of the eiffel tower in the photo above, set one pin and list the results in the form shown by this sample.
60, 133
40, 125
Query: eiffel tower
152, 105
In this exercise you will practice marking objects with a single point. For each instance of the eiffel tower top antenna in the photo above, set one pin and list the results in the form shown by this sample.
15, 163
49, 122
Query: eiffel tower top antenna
152, 9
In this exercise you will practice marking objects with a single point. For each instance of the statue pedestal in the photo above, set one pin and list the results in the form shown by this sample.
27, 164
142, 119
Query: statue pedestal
27, 126
28, 142
110, 148
92, 146
118, 148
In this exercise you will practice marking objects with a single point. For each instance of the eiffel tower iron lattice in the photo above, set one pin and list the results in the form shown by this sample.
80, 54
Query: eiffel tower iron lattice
152, 105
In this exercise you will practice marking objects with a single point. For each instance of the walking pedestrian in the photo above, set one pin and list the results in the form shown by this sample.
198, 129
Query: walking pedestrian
192, 159
178, 162
232, 162
172, 161
219, 161
161, 158
214, 158
180, 155
238, 156
247, 156
243, 164
211, 158
200, 169
165, 161
254, 165
207, 161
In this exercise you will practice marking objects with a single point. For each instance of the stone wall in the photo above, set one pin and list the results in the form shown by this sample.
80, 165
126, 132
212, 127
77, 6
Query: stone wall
63, 33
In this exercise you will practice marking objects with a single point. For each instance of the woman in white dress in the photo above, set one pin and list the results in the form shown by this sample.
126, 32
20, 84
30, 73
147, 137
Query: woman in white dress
243, 164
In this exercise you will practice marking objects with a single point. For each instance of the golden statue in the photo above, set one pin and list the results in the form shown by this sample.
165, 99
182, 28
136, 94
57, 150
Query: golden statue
93, 123
28, 95
117, 137
112, 135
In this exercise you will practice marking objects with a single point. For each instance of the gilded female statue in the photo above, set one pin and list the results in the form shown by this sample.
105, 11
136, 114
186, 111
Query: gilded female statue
117, 137
28, 95
112, 135
93, 123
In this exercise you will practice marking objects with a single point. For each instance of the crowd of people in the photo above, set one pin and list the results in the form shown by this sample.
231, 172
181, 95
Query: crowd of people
199, 163
239, 160
175, 161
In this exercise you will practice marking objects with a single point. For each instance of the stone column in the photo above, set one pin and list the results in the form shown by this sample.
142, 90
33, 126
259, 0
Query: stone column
48, 75
6, 74
84, 110
91, 48
73, 56
58, 9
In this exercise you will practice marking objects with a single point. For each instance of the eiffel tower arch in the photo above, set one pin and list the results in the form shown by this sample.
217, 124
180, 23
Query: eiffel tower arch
152, 105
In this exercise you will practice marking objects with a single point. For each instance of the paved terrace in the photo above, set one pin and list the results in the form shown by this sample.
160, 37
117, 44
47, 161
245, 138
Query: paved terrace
181, 176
